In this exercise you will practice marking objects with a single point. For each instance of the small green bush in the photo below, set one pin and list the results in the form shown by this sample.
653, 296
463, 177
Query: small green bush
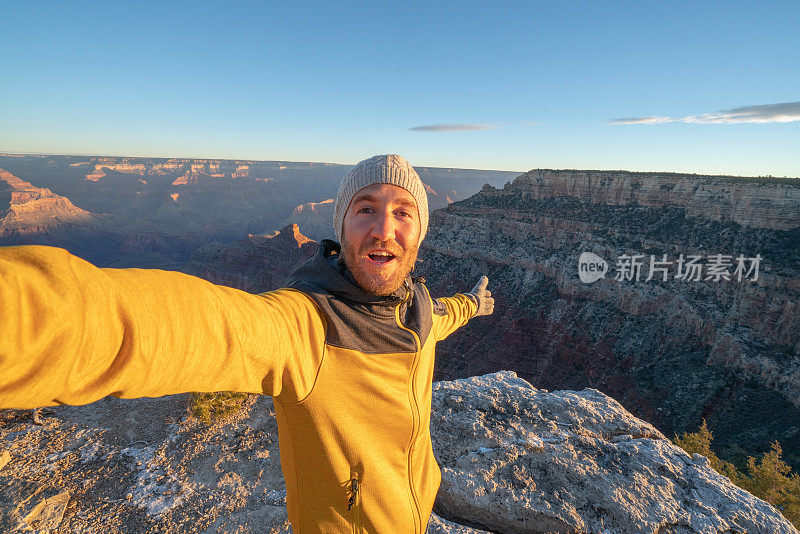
700, 442
210, 407
768, 478
772, 479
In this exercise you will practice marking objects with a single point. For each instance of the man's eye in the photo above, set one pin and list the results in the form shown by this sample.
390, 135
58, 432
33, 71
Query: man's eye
365, 209
404, 213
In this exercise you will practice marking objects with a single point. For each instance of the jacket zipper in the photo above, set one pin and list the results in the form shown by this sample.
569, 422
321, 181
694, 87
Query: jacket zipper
353, 503
415, 411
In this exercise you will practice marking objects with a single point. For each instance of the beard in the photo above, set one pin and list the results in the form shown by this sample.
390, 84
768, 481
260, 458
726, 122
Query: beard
385, 281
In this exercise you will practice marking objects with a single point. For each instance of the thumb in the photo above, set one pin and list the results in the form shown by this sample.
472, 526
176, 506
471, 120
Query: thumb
482, 283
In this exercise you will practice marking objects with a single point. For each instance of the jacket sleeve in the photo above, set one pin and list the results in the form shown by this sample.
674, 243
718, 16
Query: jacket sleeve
72, 333
451, 313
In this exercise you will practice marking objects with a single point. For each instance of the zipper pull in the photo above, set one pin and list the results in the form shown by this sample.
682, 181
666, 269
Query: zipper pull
353, 492
409, 292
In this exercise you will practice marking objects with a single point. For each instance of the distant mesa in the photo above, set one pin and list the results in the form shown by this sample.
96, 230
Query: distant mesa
190, 170
96, 175
313, 207
289, 235
315, 218
25, 208
256, 263
185, 178
294, 232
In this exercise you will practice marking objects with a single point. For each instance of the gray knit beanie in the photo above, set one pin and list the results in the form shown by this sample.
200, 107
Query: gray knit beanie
384, 169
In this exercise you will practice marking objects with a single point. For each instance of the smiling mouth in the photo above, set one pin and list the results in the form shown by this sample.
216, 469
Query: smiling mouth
381, 257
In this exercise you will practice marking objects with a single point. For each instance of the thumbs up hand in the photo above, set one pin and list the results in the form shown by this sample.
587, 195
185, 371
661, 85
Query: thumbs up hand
482, 297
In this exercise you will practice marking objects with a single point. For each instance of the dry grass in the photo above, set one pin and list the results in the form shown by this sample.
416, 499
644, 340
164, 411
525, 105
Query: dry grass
210, 407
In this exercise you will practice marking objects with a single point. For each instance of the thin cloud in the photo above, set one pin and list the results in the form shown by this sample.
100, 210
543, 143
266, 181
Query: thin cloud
784, 112
454, 127
642, 120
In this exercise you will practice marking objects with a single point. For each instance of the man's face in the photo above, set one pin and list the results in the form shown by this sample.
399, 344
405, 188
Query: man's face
380, 237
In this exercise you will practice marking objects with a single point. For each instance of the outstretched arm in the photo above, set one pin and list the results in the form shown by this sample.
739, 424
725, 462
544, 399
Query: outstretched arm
72, 333
451, 313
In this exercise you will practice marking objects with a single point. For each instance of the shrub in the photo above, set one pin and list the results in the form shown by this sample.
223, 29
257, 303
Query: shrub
768, 478
772, 480
209, 407
700, 443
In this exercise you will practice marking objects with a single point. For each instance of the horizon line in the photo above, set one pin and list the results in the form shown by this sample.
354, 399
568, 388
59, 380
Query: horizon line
18, 153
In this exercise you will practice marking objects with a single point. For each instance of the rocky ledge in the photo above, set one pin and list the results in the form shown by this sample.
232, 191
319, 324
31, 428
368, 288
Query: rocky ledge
514, 459
519, 459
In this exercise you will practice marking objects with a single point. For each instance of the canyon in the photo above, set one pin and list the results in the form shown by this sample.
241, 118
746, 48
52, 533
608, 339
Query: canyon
154, 212
672, 349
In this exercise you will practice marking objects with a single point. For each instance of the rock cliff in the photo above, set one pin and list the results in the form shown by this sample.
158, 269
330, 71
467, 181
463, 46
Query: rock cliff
25, 209
672, 351
256, 263
756, 202
514, 459
315, 218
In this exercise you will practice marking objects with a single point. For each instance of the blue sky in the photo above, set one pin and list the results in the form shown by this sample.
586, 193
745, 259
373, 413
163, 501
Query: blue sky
513, 86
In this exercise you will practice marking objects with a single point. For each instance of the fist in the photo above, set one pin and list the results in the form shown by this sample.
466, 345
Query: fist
483, 297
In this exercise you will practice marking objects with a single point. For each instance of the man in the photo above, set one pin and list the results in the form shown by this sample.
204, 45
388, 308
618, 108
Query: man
346, 349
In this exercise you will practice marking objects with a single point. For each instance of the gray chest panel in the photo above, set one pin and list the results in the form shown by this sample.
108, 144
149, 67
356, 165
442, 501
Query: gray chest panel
372, 328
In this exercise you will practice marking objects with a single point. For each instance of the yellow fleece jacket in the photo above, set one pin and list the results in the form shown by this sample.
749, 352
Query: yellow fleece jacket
353, 423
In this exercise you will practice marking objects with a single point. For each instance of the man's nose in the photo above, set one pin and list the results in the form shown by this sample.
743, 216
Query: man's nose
384, 227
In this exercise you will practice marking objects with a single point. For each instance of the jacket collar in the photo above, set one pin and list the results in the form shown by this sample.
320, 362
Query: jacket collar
326, 271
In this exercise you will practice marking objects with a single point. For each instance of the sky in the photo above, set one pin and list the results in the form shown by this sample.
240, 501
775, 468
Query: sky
706, 87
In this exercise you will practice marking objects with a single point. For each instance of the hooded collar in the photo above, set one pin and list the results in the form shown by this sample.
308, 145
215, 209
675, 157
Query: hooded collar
326, 271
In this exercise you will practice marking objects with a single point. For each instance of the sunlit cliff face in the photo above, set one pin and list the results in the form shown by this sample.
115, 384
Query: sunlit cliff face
380, 237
